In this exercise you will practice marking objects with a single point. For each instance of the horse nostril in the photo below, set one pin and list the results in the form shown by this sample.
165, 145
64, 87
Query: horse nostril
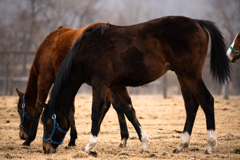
48, 151
44, 149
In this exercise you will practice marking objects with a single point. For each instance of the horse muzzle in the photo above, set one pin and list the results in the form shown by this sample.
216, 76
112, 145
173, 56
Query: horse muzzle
48, 148
23, 134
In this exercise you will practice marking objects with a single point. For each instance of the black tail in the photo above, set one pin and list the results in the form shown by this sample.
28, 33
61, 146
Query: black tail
219, 63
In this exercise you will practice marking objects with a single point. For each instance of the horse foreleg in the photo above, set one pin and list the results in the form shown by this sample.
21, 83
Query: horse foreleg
191, 107
32, 135
99, 94
73, 132
122, 102
121, 119
44, 86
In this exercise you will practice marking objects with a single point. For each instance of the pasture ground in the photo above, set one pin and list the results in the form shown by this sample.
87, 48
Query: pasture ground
162, 119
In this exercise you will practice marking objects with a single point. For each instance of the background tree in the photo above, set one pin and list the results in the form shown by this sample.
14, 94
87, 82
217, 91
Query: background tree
25, 23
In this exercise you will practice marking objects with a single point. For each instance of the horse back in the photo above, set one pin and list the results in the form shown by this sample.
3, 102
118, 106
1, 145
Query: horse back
55, 47
138, 54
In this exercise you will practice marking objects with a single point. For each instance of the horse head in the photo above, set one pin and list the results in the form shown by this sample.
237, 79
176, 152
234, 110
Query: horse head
233, 52
55, 127
25, 116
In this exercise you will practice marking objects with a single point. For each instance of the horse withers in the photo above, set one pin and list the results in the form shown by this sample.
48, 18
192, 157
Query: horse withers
46, 64
112, 57
233, 52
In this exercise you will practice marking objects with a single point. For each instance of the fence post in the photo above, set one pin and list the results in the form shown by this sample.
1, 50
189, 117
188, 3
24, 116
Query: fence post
6, 83
11, 74
165, 86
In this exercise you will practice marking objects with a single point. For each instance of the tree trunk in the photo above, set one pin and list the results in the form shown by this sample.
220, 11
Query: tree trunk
165, 86
226, 91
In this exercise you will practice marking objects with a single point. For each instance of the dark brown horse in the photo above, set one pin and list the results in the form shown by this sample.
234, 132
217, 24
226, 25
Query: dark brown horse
47, 61
233, 52
112, 57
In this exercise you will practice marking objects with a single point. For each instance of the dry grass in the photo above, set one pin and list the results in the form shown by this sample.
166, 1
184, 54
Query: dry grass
160, 118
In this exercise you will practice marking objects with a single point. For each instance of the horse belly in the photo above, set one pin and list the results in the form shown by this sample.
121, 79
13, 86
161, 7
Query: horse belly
139, 74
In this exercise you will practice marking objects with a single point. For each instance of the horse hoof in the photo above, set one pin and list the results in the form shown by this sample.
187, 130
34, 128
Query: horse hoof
83, 150
94, 154
122, 145
145, 151
207, 152
26, 143
175, 151
71, 144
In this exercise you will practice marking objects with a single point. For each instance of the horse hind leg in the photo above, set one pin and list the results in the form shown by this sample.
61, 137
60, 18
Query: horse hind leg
191, 107
123, 128
122, 101
206, 101
73, 131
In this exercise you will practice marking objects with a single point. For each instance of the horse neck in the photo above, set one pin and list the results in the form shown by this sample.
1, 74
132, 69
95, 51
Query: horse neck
31, 90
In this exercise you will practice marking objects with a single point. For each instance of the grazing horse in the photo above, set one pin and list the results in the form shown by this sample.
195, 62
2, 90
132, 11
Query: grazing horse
233, 52
46, 64
112, 57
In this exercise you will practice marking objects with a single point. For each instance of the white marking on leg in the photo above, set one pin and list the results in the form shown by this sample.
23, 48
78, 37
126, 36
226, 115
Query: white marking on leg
211, 140
145, 141
92, 142
184, 143
123, 143
229, 51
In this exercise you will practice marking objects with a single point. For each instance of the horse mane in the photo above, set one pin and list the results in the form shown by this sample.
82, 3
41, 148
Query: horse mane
68, 63
102, 28
65, 69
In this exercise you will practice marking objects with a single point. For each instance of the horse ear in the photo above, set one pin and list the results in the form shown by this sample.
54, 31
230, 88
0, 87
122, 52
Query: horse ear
44, 105
20, 94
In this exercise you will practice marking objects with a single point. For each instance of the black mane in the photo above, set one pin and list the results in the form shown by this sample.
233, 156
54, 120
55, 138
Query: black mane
67, 65
65, 69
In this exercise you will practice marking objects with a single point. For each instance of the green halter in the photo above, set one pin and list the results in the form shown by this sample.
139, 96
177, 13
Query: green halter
237, 52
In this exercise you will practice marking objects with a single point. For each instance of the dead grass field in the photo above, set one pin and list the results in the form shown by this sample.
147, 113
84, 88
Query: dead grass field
160, 118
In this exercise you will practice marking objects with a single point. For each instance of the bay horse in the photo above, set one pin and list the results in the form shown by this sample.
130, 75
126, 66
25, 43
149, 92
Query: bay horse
233, 52
47, 61
112, 57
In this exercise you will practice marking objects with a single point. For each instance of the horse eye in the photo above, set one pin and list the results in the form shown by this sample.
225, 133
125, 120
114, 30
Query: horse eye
238, 36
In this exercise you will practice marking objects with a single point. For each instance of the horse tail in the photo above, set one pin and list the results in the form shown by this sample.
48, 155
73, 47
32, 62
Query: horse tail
66, 67
219, 65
